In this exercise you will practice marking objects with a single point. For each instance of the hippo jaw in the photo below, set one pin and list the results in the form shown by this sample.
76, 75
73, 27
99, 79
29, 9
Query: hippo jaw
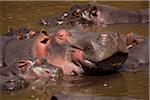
97, 61
105, 66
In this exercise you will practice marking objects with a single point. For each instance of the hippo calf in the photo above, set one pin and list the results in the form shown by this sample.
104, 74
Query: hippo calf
38, 69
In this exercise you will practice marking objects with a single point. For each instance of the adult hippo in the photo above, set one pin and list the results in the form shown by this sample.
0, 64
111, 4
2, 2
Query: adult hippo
98, 53
98, 14
12, 83
79, 52
25, 49
138, 55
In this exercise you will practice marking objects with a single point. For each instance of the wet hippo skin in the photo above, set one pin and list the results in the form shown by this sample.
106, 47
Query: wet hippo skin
138, 56
4, 40
101, 52
98, 14
24, 49
12, 83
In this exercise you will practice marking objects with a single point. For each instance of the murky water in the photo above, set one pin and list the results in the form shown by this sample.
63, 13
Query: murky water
124, 84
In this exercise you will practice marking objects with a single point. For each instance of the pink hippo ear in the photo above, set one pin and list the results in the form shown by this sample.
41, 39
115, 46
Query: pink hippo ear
43, 31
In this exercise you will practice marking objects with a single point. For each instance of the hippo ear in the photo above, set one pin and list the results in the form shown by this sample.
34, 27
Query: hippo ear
43, 31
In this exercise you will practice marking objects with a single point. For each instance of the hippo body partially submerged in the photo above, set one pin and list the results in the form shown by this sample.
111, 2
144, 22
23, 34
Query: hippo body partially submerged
97, 14
4, 40
12, 83
138, 56
102, 52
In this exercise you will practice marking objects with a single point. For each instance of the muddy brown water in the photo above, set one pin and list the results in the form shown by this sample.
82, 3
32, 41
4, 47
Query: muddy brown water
124, 84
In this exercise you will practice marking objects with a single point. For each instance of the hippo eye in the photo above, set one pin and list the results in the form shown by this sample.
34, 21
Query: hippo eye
134, 41
60, 36
10, 81
44, 32
47, 72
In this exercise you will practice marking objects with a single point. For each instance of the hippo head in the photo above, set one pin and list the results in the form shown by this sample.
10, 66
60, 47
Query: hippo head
38, 69
14, 83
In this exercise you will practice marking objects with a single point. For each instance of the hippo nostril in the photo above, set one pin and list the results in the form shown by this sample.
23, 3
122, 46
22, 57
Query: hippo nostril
45, 41
53, 98
47, 72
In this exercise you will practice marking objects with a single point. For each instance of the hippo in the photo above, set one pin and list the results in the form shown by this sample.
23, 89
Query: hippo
38, 69
24, 49
134, 39
138, 56
99, 53
21, 33
107, 15
80, 53
12, 83
22, 75
80, 96
31, 49
98, 14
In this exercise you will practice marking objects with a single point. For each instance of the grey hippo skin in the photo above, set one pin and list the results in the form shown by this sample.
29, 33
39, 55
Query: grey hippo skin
138, 56
26, 50
102, 52
18, 49
12, 83
4, 40
40, 71
97, 14
14, 78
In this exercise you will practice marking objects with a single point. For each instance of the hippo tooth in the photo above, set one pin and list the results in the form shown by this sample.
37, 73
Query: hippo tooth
60, 22
85, 15
64, 15
44, 22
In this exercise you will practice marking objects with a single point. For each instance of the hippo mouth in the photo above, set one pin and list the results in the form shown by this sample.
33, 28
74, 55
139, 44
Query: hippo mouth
83, 61
106, 66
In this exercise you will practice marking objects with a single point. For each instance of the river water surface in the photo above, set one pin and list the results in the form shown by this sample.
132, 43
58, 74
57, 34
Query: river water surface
131, 85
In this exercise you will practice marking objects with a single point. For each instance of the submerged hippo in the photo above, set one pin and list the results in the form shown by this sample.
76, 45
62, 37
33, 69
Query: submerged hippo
19, 76
138, 56
25, 49
99, 52
21, 33
87, 52
12, 83
98, 14
38, 70
80, 96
